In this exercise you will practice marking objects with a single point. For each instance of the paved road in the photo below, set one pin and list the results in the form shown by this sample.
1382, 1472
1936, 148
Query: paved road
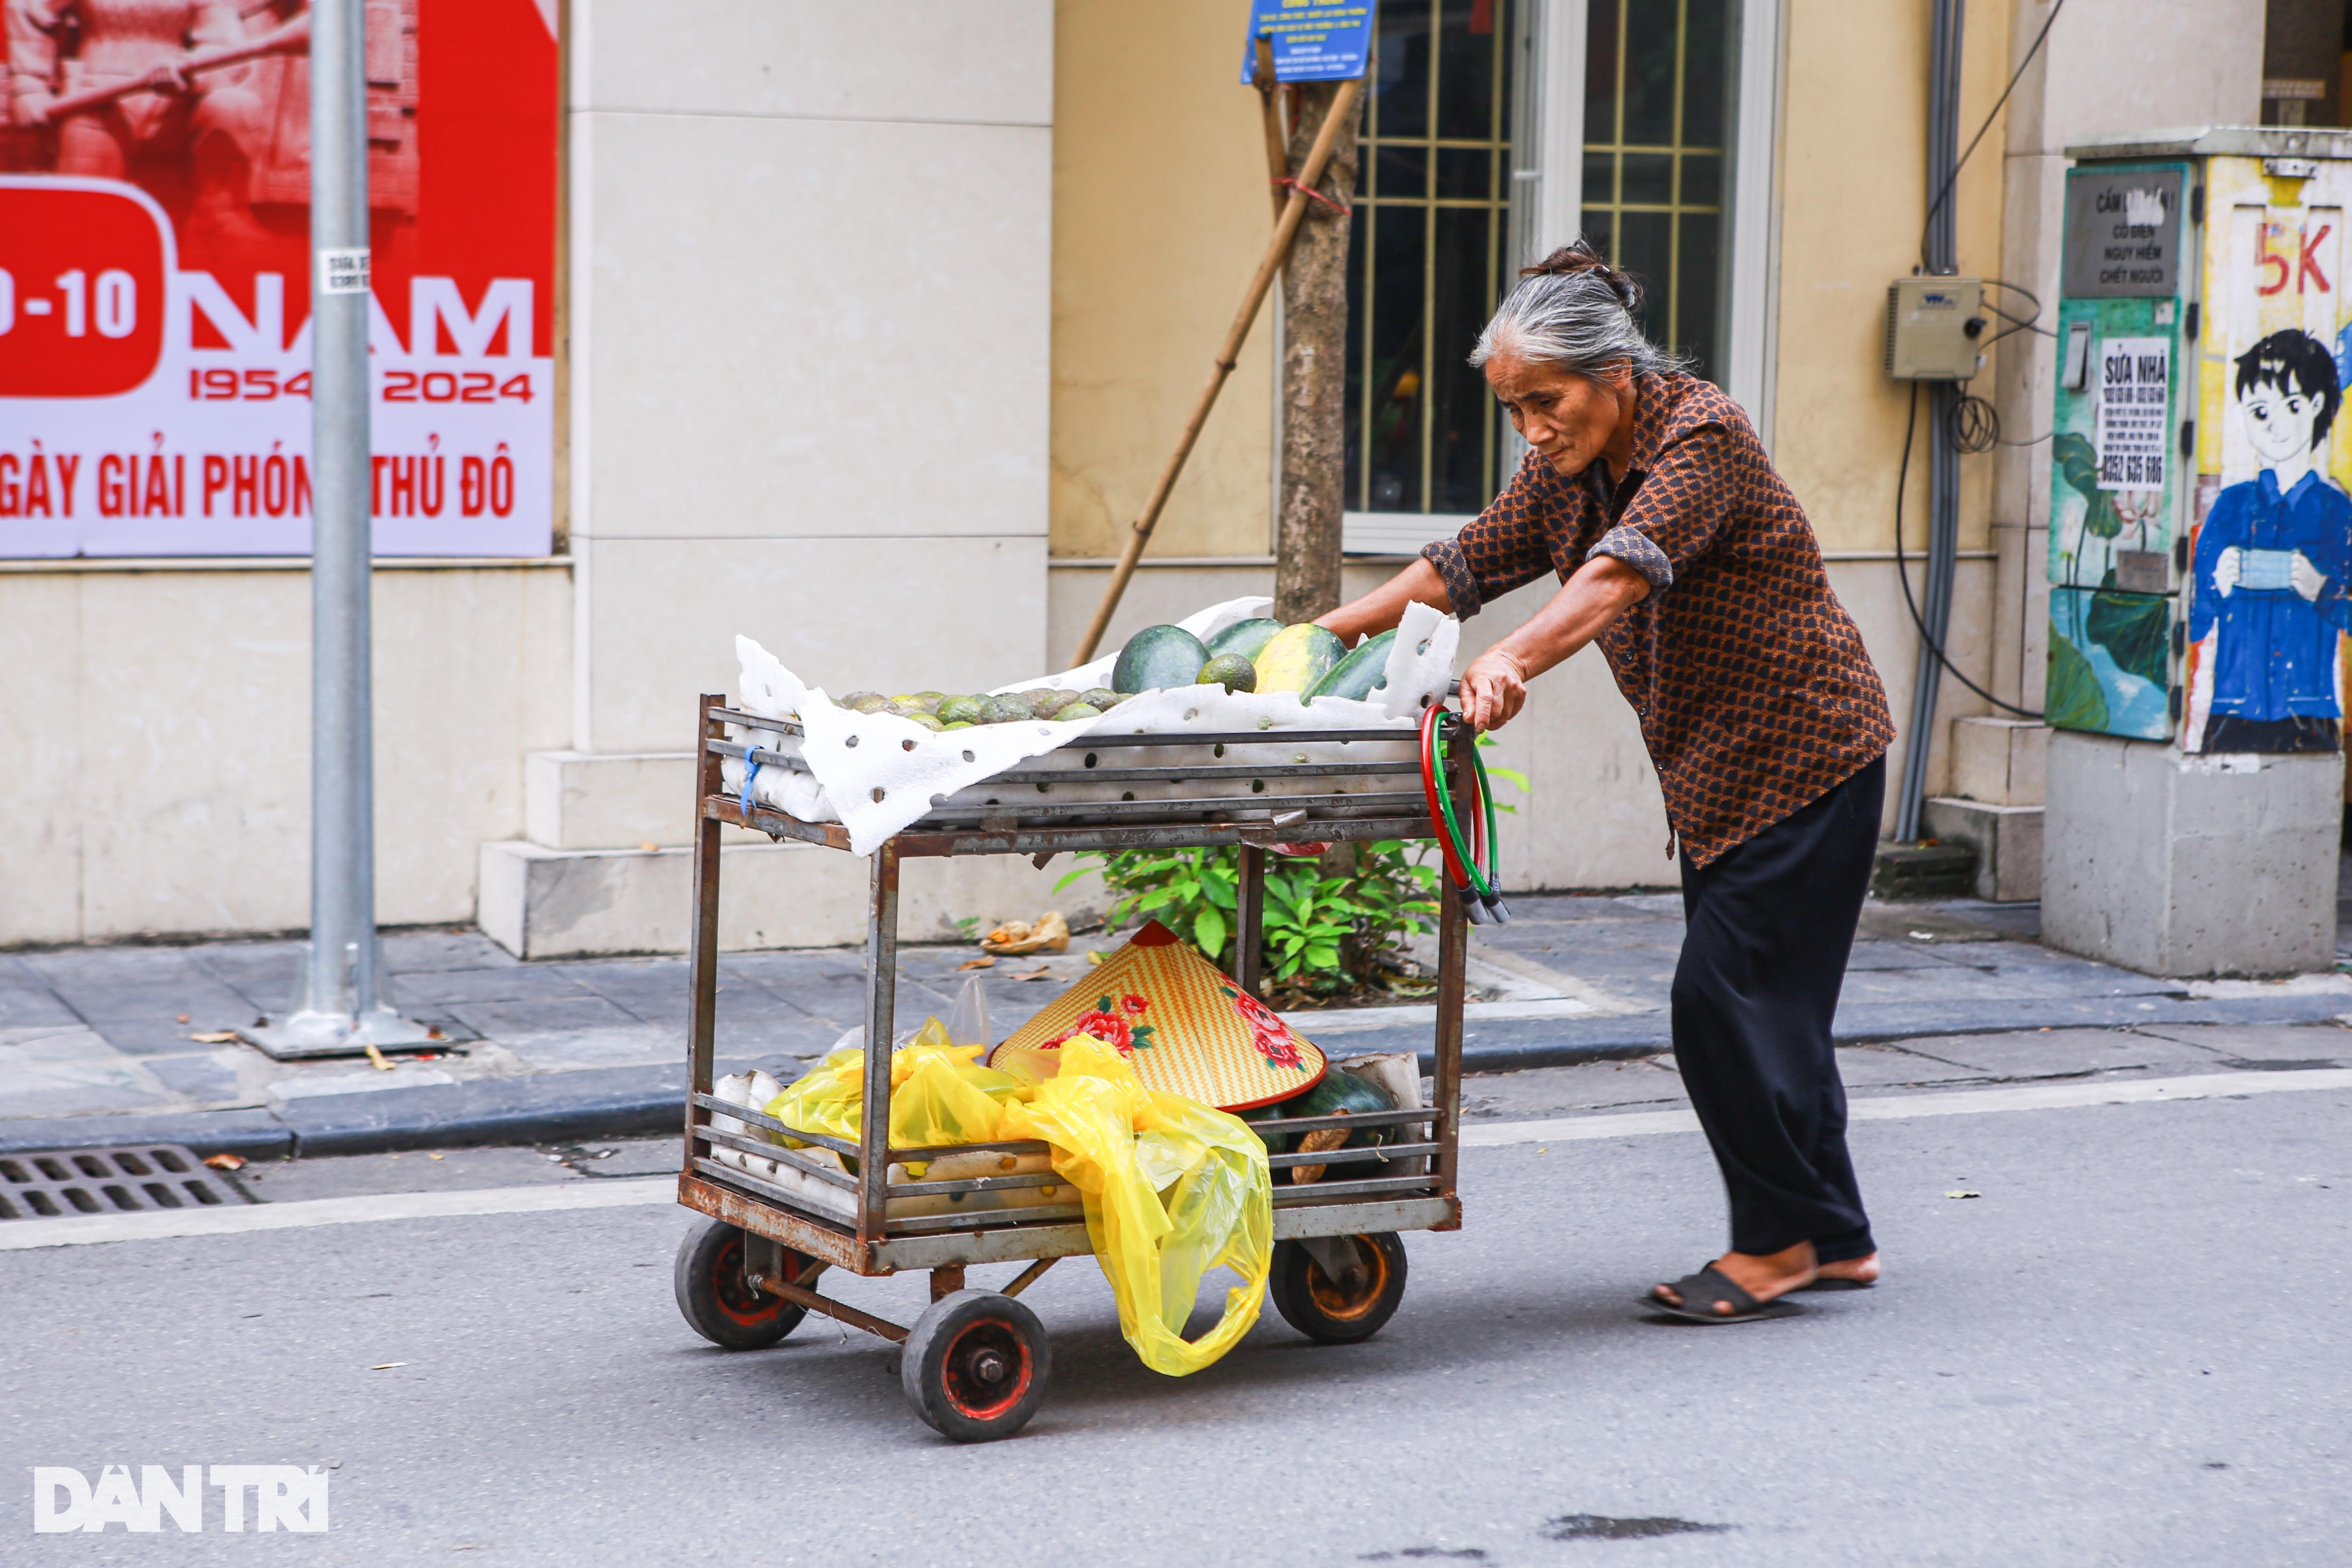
2131, 1349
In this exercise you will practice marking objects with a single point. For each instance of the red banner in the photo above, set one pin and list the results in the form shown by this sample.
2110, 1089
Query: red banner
155, 277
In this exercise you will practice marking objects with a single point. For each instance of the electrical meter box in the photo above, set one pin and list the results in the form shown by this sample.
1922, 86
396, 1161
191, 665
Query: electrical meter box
1932, 327
2200, 536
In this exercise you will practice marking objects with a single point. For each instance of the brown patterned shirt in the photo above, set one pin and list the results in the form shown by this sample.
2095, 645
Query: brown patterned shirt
1755, 694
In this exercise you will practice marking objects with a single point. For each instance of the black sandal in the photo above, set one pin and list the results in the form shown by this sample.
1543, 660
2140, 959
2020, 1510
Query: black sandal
1702, 1291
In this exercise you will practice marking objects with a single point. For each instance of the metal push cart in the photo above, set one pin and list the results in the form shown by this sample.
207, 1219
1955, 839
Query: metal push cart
975, 1365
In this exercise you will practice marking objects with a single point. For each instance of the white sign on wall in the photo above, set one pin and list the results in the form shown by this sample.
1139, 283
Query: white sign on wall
2135, 377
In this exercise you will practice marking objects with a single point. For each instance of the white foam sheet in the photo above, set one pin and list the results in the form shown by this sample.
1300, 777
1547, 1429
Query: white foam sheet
877, 772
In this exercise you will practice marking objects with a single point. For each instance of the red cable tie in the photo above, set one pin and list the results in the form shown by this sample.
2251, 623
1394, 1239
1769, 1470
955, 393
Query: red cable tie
1312, 194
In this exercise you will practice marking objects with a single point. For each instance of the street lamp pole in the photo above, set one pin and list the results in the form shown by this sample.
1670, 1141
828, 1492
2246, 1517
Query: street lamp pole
337, 1007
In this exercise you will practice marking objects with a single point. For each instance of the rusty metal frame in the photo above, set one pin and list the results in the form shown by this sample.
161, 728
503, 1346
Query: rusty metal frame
1365, 1194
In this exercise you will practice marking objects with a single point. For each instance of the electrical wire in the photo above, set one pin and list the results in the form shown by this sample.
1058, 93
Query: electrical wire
1953, 178
1972, 426
2015, 289
1462, 854
1903, 570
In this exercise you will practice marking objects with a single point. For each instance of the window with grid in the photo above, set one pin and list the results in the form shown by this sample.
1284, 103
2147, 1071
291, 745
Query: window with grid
1658, 112
1429, 256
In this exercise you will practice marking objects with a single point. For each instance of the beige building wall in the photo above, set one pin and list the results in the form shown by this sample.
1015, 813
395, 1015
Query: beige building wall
1853, 203
1160, 213
156, 725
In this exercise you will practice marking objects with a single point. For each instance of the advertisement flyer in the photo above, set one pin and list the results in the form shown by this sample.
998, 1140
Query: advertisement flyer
155, 272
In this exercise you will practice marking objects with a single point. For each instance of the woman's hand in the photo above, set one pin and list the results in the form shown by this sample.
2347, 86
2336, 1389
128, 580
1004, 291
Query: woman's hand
1493, 690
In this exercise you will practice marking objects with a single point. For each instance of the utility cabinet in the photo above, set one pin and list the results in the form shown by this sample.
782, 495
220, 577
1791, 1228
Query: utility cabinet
2200, 551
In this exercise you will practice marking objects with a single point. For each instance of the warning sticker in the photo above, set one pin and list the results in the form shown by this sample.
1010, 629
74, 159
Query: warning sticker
2134, 376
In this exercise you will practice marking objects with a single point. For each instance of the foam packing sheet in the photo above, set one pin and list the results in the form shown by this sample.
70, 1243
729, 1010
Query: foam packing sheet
877, 772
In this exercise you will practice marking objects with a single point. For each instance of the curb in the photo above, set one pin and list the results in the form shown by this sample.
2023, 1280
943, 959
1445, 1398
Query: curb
613, 1102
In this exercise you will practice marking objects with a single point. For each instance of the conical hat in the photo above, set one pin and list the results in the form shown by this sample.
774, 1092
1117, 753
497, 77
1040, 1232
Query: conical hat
1185, 1023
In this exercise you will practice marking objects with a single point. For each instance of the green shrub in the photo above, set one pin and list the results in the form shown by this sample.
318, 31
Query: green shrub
1323, 931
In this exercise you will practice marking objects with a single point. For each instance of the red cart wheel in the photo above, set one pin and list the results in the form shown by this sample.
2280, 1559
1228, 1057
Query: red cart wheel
976, 1365
718, 1302
1341, 1310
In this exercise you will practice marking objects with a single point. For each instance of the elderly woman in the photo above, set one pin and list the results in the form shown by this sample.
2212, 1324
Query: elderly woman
1684, 556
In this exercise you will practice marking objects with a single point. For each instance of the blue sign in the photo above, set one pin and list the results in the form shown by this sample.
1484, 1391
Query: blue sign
1314, 40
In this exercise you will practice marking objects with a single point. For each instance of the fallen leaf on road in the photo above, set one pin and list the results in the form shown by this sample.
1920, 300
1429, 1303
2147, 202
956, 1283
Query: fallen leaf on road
225, 1162
181, 1018
1035, 974
377, 1057
386, 1365
649, 847
432, 1032
433, 1156
977, 963
1956, 1192
216, 1037
1094, 956
1923, 936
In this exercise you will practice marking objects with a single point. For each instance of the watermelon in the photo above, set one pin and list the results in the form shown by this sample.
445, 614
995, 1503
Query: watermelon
1360, 674
1339, 1091
1295, 657
1277, 1142
1247, 638
1158, 659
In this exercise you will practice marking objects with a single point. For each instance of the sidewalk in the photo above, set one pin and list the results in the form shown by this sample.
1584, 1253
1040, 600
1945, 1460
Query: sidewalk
95, 1043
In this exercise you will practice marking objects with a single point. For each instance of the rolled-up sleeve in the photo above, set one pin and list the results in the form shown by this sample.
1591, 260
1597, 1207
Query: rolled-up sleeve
1505, 547
1685, 499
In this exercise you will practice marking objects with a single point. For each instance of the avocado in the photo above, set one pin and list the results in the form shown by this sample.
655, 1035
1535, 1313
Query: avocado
926, 720
1077, 710
1005, 710
1045, 704
1101, 698
958, 709
1158, 659
1233, 671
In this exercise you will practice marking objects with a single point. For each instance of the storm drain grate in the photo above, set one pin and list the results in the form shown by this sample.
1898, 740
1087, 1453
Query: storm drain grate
146, 1178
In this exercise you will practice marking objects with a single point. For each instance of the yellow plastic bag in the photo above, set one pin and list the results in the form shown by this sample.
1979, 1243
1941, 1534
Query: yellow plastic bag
1171, 1189
939, 1094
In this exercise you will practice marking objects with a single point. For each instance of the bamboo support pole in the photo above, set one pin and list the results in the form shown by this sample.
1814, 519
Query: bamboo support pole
1277, 145
1294, 212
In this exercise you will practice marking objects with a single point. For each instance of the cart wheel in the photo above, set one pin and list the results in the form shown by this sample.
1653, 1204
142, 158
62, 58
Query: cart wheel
712, 1293
976, 1365
1354, 1306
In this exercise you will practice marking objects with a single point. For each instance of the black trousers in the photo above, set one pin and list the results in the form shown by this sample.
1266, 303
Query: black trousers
1768, 926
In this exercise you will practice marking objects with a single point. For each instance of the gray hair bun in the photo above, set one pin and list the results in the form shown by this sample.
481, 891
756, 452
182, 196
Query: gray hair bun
1575, 311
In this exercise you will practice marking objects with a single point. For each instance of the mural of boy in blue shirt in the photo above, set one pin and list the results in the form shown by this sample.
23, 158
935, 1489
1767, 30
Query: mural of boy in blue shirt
2273, 559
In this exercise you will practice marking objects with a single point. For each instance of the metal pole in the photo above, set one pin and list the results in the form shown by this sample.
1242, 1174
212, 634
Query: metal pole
337, 1002
1942, 462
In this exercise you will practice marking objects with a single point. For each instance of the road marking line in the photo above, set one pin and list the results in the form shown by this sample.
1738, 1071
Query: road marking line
621, 1193
1963, 1102
613, 1193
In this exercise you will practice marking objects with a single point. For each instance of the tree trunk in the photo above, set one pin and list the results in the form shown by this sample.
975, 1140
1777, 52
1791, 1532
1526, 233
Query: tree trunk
1314, 377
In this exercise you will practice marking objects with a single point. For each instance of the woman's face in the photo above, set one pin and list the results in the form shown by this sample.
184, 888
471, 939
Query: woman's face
1568, 417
